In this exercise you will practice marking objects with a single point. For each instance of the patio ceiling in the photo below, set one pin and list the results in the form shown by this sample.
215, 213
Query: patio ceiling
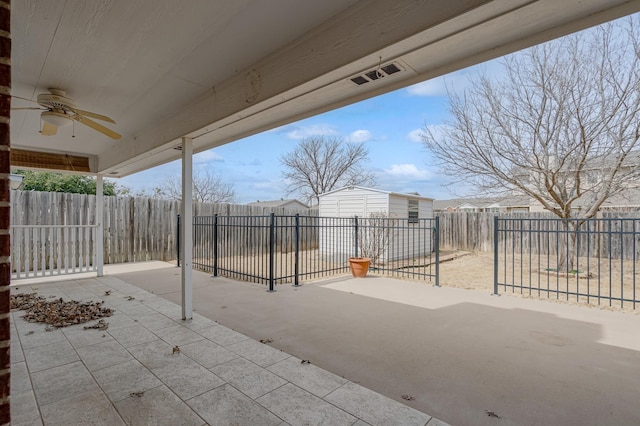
219, 70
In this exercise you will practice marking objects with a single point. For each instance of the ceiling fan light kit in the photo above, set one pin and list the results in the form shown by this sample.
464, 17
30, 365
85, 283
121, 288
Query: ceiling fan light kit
54, 118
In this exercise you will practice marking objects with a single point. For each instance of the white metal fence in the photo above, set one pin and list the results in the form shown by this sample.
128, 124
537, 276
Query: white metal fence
47, 250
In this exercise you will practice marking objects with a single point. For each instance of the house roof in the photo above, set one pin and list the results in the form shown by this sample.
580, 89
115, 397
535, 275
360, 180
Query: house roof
277, 203
482, 203
216, 71
414, 195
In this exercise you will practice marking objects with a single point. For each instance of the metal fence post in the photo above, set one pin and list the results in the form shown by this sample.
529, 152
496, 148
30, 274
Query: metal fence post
296, 281
495, 255
437, 244
178, 241
215, 245
271, 249
355, 235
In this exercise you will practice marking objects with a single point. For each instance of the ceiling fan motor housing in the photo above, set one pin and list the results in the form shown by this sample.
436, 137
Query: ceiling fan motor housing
56, 102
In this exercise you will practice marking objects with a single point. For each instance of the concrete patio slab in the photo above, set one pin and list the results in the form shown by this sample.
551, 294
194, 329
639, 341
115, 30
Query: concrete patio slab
207, 353
316, 380
248, 378
300, 407
220, 405
187, 378
89, 408
158, 406
132, 372
375, 408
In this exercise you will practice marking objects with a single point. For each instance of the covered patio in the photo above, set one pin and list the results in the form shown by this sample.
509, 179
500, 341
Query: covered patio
169, 80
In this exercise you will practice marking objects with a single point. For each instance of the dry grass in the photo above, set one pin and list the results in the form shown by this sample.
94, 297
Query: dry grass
532, 279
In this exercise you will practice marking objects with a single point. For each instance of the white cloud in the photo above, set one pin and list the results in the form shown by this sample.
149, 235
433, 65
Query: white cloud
433, 87
207, 156
458, 81
438, 131
360, 136
312, 130
415, 135
408, 171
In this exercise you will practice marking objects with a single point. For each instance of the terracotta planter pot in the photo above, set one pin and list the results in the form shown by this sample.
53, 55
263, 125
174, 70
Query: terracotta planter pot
359, 266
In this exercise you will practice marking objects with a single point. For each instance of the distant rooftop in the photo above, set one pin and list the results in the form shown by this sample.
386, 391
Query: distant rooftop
280, 203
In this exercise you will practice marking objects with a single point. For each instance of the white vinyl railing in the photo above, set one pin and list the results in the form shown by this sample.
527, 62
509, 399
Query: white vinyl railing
47, 250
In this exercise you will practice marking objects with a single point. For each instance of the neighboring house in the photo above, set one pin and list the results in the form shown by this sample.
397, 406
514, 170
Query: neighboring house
512, 204
592, 177
286, 204
404, 212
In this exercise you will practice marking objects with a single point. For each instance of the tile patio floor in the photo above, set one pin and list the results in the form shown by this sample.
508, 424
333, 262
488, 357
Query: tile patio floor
129, 374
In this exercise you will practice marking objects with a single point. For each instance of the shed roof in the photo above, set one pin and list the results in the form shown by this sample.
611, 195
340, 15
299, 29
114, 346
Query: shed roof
413, 195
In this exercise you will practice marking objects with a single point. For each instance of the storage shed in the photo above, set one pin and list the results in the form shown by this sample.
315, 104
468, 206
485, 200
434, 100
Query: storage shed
400, 224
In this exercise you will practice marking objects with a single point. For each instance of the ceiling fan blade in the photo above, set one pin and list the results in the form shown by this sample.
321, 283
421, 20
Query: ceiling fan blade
94, 115
49, 129
97, 127
16, 109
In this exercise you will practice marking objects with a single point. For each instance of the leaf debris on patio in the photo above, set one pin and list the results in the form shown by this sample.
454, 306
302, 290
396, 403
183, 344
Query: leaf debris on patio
58, 313
100, 325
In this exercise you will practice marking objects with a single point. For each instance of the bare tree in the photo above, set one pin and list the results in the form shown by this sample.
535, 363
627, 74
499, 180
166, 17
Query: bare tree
320, 164
375, 236
561, 127
208, 187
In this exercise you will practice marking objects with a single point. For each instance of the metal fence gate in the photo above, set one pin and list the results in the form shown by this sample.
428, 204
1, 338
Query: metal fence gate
587, 260
276, 249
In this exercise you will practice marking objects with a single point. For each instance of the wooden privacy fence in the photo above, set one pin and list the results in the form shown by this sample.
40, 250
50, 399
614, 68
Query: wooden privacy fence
135, 229
475, 232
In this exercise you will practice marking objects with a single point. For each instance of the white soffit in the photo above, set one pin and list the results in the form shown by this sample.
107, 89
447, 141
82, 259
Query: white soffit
221, 70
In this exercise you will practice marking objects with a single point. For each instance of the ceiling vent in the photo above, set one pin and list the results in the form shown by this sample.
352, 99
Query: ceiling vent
376, 74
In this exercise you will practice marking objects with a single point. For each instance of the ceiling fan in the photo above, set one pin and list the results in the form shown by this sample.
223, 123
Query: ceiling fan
60, 111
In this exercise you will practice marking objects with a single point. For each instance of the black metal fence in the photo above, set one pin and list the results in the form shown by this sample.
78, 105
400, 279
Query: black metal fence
277, 249
586, 260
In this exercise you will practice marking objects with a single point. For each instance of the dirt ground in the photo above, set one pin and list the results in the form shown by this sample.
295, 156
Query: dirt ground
598, 283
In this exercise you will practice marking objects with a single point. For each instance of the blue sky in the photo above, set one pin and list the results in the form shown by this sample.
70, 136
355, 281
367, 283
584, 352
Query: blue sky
387, 124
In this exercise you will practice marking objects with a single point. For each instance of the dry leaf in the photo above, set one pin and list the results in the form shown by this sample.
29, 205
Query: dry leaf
107, 292
57, 313
491, 414
408, 397
100, 325
176, 349
138, 394
130, 298
305, 361
268, 340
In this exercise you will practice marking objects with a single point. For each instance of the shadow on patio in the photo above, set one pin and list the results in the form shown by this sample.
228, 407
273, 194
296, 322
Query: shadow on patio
461, 354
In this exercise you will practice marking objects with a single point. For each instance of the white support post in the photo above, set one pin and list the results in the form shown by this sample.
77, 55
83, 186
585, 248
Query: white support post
100, 222
186, 228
